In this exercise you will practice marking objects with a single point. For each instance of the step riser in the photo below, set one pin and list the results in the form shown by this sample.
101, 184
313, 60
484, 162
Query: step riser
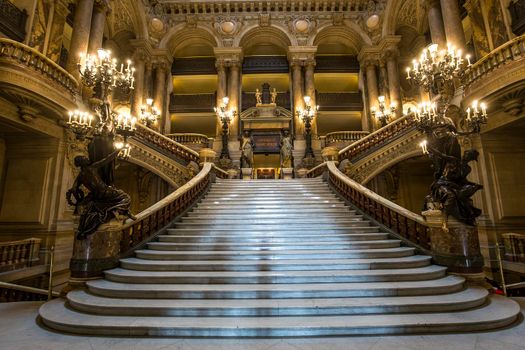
275, 247
253, 268
245, 220
258, 227
263, 216
243, 232
270, 239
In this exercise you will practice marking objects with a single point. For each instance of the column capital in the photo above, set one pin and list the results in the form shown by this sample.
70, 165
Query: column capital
430, 4
102, 6
143, 49
228, 56
302, 55
162, 60
369, 55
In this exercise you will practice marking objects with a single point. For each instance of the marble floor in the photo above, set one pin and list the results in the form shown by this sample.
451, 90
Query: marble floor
19, 330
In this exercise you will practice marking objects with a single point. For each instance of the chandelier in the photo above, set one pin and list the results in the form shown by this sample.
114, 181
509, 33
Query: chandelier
148, 113
384, 114
225, 116
307, 115
100, 73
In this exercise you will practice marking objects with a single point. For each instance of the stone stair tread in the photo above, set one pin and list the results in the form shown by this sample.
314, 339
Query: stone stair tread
419, 271
280, 234
291, 252
270, 242
470, 297
350, 230
498, 312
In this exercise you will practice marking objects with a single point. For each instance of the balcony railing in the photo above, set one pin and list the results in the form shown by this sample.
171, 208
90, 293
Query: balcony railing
343, 138
12, 20
19, 254
193, 141
378, 138
512, 51
22, 55
196, 103
514, 247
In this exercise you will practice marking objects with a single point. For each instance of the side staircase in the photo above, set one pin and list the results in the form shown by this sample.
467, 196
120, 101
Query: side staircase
268, 258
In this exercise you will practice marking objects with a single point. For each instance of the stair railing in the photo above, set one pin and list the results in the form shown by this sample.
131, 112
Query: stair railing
378, 138
406, 225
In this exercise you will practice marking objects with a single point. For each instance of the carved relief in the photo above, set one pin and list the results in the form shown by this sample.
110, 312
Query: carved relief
302, 27
227, 27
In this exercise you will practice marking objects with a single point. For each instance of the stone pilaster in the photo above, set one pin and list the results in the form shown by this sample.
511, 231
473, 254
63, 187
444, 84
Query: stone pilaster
98, 21
162, 64
148, 80
453, 25
80, 36
222, 86
394, 84
435, 22
138, 60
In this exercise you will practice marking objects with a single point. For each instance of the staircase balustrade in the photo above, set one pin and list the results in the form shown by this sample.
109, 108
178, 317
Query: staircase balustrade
19, 254
193, 141
403, 222
156, 217
378, 138
513, 50
162, 142
514, 247
23, 55
345, 137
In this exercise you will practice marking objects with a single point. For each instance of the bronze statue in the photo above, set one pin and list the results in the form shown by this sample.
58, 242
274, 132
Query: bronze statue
451, 190
102, 203
286, 150
247, 150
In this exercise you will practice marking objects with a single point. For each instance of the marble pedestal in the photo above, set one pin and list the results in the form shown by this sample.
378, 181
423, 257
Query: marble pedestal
457, 248
287, 173
98, 252
247, 173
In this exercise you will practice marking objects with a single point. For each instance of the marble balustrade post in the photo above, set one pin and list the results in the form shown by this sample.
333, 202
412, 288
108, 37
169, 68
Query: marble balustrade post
435, 22
233, 94
80, 36
453, 25
298, 101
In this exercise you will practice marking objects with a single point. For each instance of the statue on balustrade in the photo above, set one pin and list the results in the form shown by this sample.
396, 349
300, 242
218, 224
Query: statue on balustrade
247, 150
102, 203
286, 150
451, 190
258, 97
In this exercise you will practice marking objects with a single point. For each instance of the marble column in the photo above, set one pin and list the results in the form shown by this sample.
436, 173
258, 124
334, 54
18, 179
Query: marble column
298, 101
233, 94
309, 89
394, 84
435, 22
453, 25
222, 88
160, 92
136, 103
148, 80
98, 22
371, 84
80, 36
167, 116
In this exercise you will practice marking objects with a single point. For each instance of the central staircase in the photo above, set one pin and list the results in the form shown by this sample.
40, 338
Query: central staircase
269, 258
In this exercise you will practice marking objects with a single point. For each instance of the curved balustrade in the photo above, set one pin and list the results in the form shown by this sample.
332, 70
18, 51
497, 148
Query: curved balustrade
317, 171
377, 138
221, 174
156, 217
405, 223
343, 137
193, 141
162, 142
511, 51
24, 55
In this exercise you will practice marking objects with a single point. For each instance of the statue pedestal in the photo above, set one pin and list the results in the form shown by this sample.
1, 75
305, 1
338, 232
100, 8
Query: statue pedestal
247, 173
457, 248
301, 173
233, 173
287, 173
207, 155
98, 252
330, 154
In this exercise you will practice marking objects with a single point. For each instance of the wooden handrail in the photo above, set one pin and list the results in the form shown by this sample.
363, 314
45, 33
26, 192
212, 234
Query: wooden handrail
378, 138
31, 58
401, 221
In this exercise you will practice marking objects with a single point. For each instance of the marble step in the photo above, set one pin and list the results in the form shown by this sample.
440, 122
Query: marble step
272, 237
242, 231
444, 285
246, 220
466, 299
275, 265
498, 312
321, 191
313, 254
297, 203
322, 210
258, 277
275, 225
339, 215
272, 206
279, 246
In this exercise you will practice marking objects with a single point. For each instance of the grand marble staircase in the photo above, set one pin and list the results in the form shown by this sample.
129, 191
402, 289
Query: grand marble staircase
276, 258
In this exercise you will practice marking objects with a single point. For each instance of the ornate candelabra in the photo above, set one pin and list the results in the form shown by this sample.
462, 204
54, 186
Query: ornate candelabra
383, 114
225, 116
148, 113
437, 71
307, 115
